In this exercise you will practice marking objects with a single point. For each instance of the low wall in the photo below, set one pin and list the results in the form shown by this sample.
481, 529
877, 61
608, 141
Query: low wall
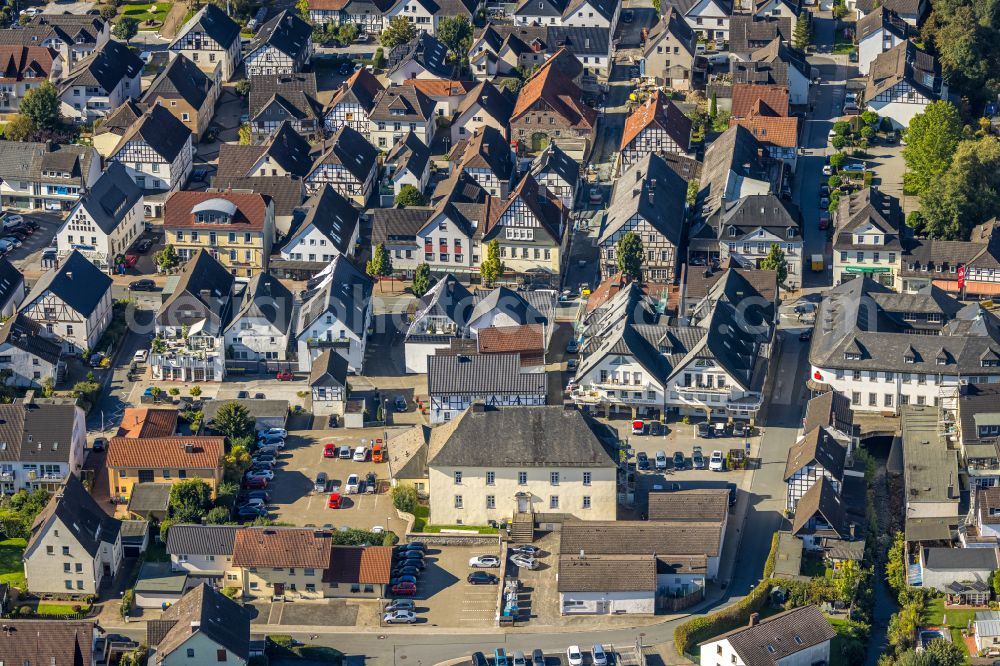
452, 539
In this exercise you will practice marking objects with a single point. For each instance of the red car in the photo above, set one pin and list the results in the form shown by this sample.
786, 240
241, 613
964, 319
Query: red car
285, 376
824, 220
256, 482
334, 501
405, 589
329, 451
130, 260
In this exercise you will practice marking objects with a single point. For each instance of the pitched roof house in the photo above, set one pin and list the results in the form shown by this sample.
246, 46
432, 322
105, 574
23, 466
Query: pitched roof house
800, 635
100, 82
279, 98
283, 45
157, 151
210, 39
549, 102
206, 624
353, 103
347, 162
187, 92
656, 126
902, 82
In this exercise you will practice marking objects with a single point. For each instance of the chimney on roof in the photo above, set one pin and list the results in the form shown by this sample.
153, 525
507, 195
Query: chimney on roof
754, 619
760, 153
69, 275
205, 294
29, 397
196, 624
188, 447
852, 530
478, 408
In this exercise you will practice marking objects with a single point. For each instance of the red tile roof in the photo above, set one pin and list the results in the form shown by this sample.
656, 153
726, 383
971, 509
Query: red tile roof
749, 98
138, 422
437, 88
251, 210
662, 113
282, 547
355, 564
558, 91
511, 339
328, 5
171, 452
773, 130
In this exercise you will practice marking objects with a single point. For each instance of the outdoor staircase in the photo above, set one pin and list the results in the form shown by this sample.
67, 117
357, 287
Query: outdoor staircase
522, 529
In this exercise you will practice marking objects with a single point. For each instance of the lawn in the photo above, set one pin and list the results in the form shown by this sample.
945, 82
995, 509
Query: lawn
934, 614
420, 516
11, 562
59, 609
144, 11
281, 650
157, 551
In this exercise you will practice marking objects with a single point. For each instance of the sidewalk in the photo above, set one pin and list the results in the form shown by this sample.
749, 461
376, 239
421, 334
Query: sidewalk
172, 22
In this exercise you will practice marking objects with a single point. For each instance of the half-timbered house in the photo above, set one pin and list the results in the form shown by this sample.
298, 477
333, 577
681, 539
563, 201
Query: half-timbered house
656, 126
426, 14
106, 221
100, 83
488, 158
398, 110
353, 103
282, 46
818, 454
185, 91
902, 82
336, 315
278, 98
285, 153
366, 14
71, 303
530, 228
330, 228
558, 173
648, 200
348, 163
211, 40
157, 151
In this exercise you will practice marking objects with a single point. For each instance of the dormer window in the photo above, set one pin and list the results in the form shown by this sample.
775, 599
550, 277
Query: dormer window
732, 232
852, 356
861, 239
791, 232
909, 358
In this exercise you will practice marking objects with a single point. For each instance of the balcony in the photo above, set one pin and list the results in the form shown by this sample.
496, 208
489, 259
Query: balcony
319, 343
595, 396
47, 476
6, 476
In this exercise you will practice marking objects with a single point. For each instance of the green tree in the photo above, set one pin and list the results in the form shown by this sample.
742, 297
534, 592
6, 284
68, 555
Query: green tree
837, 160
108, 12
965, 35
967, 194
19, 129
455, 32
931, 141
347, 33
41, 106
48, 387
895, 566
218, 515
775, 261
802, 35
236, 462
491, 268
190, 500
195, 390
713, 107
692, 194
409, 196
13, 525
628, 256
303, 8
847, 580
126, 28
243, 87
167, 258
421, 280
871, 119
399, 31
378, 60
233, 420
404, 498
944, 653
246, 134
902, 630
380, 265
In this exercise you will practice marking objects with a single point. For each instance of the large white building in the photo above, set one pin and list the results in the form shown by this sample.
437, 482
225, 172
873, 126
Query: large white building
100, 83
259, 330
336, 315
902, 82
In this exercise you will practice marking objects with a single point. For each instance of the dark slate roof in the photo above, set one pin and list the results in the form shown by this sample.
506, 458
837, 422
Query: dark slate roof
486, 149
111, 198
695, 505
349, 148
779, 636
605, 8
960, 559
329, 369
621, 573
513, 304
104, 68
344, 292
11, 280
78, 282
869, 206
748, 33
904, 62
398, 226
424, 49
496, 102
554, 160
24, 334
580, 41
180, 78
71, 28
829, 409
47, 642
276, 97
911, 7
413, 104
160, 130
822, 501
481, 375
37, 432
267, 298
202, 610
202, 539
541, 7
778, 52
544, 436
213, 22
885, 19
79, 511
333, 216
286, 32
119, 120
34, 159
725, 159
287, 193
448, 299
204, 290
652, 190
285, 147
410, 154
759, 211
645, 537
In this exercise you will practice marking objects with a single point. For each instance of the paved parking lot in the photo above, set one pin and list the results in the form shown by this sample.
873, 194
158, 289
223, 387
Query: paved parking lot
295, 501
444, 597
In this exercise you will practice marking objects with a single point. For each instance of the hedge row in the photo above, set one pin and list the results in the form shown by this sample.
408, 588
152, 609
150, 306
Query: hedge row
689, 634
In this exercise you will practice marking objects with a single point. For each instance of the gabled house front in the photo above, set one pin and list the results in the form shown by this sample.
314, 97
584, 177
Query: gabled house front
656, 126
329, 229
902, 82
211, 40
484, 105
669, 52
550, 108
285, 153
353, 103
100, 83
185, 91
45, 175
408, 164
45, 444
818, 454
752, 225
30, 357
488, 158
283, 45
260, 328
878, 32
280, 98
558, 173
708, 18
157, 151
336, 315
23, 68
71, 303
424, 57
398, 110
347, 163
203, 626
73, 36
75, 548
328, 384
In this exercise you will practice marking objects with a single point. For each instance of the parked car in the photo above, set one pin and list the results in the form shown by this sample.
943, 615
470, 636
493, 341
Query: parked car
242, 395
351, 487
627, 16
319, 485
482, 578
697, 459
285, 376
371, 483
329, 451
824, 202
262, 494
656, 429
598, 655
716, 463
537, 657
400, 617
484, 562
100, 444
360, 454
403, 579
140, 356
856, 167
345, 452
273, 432
411, 555
479, 659
415, 562
142, 285
404, 569
703, 430
526, 549
806, 335
255, 482
413, 545
642, 460
679, 460
400, 604
263, 473
573, 655
661, 460
406, 589
732, 493
572, 347
524, 561
377, 451
824, 220
638, 427
500, 657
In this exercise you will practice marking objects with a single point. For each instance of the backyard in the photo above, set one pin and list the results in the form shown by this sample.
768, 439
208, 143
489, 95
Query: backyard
956, 619
145, 11
11, 563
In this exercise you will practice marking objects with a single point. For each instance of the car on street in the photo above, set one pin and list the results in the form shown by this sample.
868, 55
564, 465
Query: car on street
251, 512
351, 487
400, 617
141, 285
661, 460
806, 335
824, 202
479, 659
572, 347
400, 604
482, 578
732, 493
273, 432
642, 460
518, 659
805, 309
716, 463
262, 494
404, 569
285, 376
573, 655
261, 472
638, 427
656, 429
484, 562
851, 103
824, 220
329, 451
413, 545
143, 245
856, 167
407, 589
344, 453
537, 657
598, 655
403, 579
100, 444
277, 440
572, 365
140, 356
242, 395
415, 562
596, 196
679, 460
